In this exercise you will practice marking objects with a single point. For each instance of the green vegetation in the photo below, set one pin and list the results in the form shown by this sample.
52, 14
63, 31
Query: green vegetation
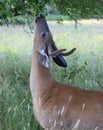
85, 68
74, 10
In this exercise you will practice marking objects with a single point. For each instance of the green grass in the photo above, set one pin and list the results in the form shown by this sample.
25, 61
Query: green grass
85, 68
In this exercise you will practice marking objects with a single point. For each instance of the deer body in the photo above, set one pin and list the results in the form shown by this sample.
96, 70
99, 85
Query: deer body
58, 106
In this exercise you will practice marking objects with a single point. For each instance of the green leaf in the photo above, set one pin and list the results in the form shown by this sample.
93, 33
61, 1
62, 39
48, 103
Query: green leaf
1, 0
1, 23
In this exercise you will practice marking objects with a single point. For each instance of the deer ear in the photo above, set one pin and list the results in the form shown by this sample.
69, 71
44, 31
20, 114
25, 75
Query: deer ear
44, 58
59, 60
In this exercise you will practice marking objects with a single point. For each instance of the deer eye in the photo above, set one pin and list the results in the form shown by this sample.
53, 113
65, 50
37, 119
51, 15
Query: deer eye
43, 35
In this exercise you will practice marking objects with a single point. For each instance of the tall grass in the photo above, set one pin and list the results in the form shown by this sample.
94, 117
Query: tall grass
85, 68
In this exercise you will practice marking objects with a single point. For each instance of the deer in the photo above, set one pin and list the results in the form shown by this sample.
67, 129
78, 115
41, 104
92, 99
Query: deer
59, 106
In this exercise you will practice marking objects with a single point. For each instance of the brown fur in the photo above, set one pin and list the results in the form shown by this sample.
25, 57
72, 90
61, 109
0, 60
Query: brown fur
58, 106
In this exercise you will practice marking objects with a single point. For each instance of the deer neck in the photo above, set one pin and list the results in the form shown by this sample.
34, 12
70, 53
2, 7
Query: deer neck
40, 79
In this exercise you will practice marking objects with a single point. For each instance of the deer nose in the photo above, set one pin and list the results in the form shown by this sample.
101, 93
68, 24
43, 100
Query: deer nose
39, 17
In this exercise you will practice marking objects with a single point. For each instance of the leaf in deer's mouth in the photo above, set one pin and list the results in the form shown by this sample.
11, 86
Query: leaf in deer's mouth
60, 61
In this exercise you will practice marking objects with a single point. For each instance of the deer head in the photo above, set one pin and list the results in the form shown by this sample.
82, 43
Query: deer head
46, 45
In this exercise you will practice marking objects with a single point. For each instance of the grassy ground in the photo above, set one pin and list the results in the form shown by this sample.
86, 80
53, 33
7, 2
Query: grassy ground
85, 67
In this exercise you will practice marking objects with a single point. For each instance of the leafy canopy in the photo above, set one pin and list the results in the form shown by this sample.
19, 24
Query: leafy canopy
74, 9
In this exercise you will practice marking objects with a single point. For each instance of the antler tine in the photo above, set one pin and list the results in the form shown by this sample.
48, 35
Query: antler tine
54, 53
68, 53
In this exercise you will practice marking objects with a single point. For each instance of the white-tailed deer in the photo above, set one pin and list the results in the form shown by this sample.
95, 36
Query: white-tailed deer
58, 106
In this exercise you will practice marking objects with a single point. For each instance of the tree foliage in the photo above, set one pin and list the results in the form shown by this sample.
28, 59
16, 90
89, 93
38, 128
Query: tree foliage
75, 9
